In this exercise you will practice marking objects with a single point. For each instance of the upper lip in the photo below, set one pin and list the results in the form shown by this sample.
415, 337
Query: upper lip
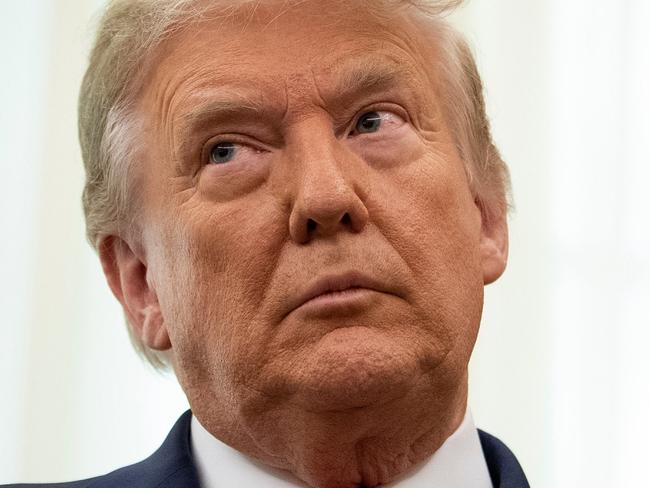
337, 282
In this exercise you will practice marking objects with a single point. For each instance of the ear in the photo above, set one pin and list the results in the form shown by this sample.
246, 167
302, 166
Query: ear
494, 245
126, 274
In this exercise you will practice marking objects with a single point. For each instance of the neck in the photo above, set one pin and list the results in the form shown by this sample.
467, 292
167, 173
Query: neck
360, 447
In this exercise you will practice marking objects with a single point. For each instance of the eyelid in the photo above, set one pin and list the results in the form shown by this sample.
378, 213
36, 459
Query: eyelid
236, 139
378, 107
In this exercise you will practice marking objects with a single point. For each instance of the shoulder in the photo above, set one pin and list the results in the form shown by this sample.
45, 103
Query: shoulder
170, 466
505, 470
72, 484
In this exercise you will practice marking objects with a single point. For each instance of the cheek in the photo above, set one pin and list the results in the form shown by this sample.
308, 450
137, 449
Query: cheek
434, 225
219, 259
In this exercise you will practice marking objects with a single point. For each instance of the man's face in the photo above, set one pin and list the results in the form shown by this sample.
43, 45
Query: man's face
286, 147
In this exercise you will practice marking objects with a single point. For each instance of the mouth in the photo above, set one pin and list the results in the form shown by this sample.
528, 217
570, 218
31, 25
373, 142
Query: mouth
329, 293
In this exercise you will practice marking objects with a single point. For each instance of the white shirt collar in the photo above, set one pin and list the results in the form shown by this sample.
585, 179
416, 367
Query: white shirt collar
458, 463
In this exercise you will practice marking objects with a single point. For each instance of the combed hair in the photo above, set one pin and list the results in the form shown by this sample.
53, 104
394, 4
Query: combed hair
128, 32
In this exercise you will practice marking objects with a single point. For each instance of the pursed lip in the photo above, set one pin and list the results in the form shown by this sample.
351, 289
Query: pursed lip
337, 282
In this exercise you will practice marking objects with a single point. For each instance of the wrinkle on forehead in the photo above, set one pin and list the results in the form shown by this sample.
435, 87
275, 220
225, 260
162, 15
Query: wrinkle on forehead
348, 57
260, 97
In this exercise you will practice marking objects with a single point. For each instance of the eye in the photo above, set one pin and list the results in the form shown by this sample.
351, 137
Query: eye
380, 121
384, 137
223, 152
368, 122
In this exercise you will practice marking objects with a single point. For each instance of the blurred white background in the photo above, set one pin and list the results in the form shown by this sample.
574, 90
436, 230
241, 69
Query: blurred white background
561, 371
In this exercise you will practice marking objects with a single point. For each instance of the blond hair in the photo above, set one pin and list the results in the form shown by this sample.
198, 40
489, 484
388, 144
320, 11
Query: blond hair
128, 32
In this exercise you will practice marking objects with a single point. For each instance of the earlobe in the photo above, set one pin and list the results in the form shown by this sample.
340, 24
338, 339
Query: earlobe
494, 247
126, 274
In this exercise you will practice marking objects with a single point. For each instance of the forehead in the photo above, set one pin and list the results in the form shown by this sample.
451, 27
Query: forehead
278, 51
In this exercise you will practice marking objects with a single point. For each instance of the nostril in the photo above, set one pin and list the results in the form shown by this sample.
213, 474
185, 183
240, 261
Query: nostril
311, 225
346, 219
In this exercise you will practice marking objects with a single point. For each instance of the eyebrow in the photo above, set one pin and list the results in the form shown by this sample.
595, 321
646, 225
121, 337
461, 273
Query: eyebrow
221, 105
368, 76
360, 76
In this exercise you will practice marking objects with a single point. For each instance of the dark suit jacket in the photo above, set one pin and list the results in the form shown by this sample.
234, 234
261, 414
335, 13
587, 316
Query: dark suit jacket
171, 466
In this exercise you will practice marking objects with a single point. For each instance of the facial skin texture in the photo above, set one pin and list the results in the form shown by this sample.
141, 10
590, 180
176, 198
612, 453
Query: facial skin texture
351, 398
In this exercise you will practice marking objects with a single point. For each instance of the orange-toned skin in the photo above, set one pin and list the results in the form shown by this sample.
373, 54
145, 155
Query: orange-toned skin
350, 398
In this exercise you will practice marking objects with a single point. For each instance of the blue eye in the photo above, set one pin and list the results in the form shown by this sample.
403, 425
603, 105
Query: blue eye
368, 122
222, 152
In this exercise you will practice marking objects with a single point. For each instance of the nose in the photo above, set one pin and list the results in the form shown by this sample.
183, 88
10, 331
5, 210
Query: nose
328, 190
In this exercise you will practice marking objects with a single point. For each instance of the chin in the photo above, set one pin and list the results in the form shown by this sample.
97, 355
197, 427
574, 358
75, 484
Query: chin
356, 367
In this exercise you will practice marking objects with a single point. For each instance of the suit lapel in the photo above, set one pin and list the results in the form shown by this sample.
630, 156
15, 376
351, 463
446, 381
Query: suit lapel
505, 470
170, 466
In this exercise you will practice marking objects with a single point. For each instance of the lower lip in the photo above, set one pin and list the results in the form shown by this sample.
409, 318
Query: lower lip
349, 300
